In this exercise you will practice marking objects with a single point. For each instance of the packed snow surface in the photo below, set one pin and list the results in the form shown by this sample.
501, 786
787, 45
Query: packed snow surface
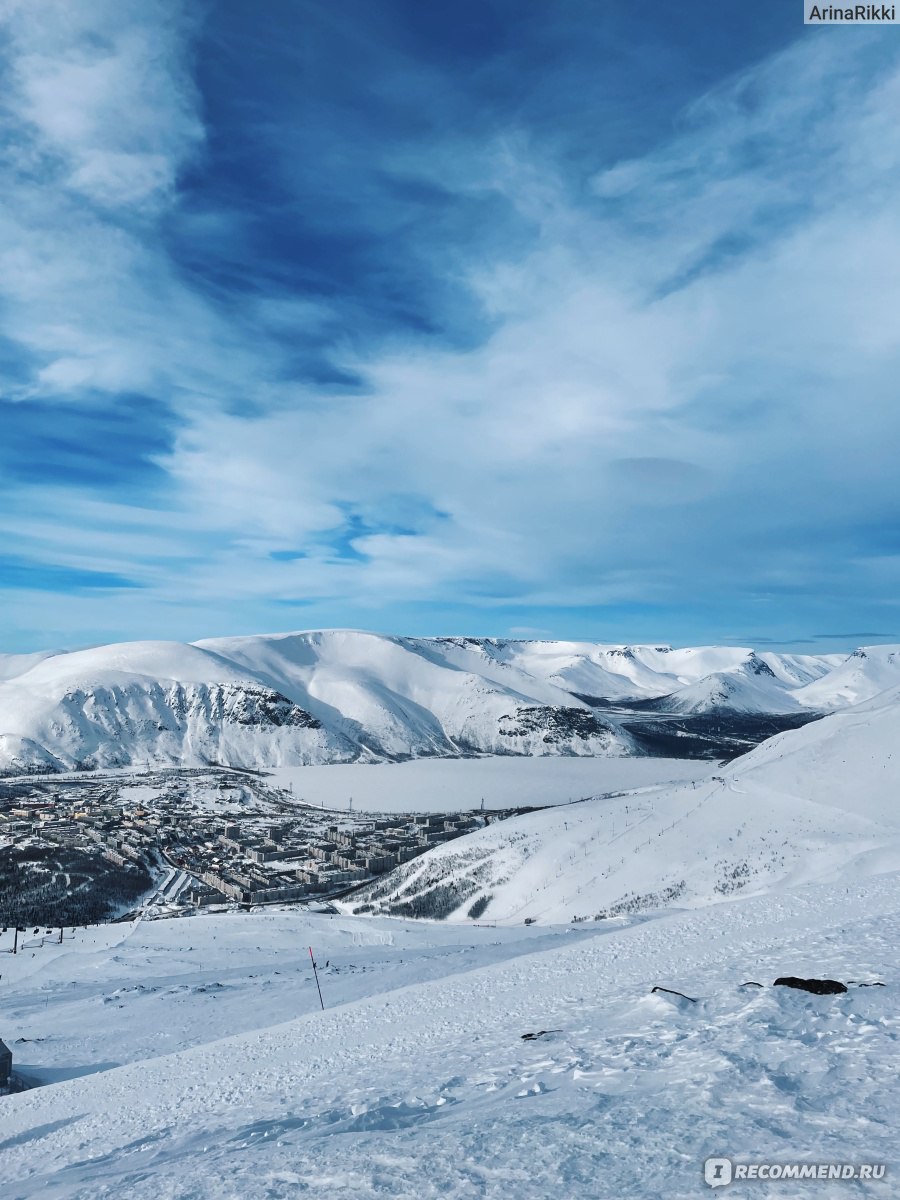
327, 696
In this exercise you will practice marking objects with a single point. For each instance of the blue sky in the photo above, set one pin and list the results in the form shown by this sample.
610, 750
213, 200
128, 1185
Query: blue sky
499, 317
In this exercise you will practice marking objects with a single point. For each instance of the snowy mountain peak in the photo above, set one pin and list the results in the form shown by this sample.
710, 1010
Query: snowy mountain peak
861, 676
756, 666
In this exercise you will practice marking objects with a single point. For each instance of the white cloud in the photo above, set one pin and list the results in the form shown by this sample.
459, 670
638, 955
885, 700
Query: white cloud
729, 400
104, 88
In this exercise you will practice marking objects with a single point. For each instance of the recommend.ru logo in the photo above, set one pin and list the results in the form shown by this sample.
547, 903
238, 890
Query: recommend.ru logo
718, 1172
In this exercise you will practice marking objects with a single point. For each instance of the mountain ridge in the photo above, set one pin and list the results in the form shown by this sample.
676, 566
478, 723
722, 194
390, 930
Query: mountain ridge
320, 696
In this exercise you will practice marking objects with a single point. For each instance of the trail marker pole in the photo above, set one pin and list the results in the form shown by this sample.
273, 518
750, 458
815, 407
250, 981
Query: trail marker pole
316, 973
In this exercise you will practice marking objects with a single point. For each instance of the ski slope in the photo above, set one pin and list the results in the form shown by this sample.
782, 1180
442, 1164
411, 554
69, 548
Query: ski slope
419, 1084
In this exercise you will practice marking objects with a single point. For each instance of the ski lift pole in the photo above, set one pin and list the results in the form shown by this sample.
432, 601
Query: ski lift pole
316, 973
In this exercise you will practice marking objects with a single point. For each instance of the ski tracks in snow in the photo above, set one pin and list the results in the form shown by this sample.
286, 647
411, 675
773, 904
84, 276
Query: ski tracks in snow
441, 1097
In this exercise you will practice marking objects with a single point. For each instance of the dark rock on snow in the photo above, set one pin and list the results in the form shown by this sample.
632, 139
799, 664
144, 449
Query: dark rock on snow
819, 987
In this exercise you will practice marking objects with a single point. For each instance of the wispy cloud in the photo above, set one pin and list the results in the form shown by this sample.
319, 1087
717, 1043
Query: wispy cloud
444, 354
105, 101
857, 636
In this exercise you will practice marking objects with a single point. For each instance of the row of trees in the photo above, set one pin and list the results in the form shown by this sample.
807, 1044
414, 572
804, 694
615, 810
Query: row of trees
65, 886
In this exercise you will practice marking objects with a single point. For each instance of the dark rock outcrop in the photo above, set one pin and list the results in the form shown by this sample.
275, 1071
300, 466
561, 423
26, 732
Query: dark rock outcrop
819, 987
557, 723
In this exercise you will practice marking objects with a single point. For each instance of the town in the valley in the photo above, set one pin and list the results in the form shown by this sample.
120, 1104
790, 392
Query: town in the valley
212, 836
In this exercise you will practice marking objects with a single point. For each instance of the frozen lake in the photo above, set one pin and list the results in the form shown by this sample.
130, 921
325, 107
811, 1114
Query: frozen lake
448, 784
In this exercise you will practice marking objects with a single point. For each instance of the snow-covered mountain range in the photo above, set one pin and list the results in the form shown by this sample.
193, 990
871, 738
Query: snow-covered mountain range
436, 1035
343, 696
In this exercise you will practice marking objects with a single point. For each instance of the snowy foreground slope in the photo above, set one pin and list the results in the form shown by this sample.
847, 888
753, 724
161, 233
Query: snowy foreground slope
344, 696
815, 803
428, 1090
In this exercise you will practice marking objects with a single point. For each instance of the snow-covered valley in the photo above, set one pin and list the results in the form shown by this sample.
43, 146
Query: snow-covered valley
816, 803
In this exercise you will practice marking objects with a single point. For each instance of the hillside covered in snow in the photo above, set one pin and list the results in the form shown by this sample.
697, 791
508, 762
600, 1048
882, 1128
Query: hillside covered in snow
346, 696
813, 804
